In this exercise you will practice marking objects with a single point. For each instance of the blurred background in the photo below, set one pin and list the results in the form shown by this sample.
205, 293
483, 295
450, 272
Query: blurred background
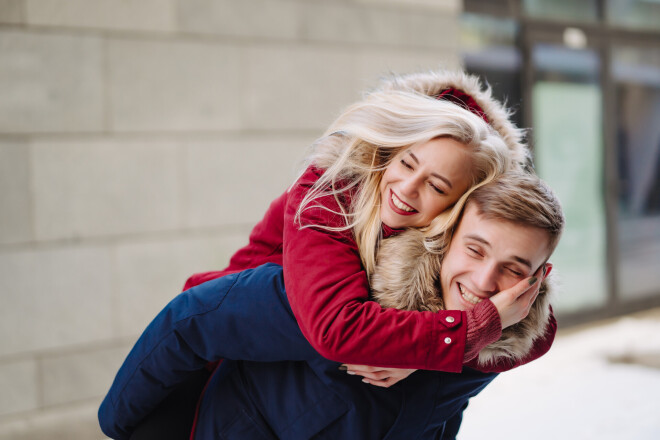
140, 140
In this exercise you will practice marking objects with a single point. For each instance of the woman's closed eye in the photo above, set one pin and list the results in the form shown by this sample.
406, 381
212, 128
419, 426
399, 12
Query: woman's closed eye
437, 189
406, 164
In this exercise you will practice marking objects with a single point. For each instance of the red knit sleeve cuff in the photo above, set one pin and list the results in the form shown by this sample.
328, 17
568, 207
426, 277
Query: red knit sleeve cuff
483, 327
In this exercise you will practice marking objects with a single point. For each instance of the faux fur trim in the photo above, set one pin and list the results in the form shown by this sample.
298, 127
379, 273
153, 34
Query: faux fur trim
434, 82
407, 278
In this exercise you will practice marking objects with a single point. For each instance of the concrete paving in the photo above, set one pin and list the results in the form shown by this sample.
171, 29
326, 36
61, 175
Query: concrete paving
600, 381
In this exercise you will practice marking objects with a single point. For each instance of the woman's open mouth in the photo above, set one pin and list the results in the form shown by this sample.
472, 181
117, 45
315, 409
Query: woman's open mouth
399, 206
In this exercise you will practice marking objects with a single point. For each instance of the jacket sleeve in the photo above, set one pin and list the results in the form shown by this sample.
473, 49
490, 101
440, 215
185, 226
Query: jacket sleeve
241, 316
541, 346
328, 292
452, 425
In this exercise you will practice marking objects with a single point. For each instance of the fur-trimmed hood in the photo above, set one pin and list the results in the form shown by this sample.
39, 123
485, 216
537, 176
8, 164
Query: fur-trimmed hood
433, 83
407, 277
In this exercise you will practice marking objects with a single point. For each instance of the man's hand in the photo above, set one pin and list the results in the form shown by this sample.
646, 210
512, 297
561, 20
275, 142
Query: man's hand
513, 304
378, 376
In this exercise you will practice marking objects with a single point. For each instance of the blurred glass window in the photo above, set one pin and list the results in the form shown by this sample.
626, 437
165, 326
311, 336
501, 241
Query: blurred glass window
636, 74
568, 10
634, 14
568, 150
489, 50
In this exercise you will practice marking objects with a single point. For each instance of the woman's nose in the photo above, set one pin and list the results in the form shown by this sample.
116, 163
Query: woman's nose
409, 186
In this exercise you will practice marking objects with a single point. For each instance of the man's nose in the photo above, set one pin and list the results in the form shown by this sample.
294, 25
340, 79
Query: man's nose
485, 278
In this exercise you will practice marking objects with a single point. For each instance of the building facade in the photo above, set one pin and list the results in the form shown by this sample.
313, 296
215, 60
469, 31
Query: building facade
139, 142
585, 76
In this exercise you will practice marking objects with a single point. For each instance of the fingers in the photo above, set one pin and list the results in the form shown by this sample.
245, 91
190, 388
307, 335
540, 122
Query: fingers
530, 294
540, 273
513, 304
527, 288
354, 367
511, 295
377, 376
385, 383
526, 300
370, 373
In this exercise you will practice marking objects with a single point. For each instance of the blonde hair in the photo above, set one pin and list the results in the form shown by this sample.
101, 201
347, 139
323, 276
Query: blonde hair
360, 144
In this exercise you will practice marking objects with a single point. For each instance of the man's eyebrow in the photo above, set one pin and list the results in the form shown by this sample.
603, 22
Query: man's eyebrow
523, 261
478, 238
436, 175
485, 242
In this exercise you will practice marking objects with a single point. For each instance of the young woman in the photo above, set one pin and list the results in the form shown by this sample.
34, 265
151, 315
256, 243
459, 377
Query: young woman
406, 156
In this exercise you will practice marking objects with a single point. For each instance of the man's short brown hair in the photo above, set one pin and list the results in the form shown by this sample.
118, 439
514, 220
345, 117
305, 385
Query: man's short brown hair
521, 198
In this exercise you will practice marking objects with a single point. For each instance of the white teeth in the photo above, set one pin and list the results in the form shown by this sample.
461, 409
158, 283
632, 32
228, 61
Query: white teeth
468, 296
399, 204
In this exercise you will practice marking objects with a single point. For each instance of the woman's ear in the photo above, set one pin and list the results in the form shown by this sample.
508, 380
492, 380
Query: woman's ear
547, 268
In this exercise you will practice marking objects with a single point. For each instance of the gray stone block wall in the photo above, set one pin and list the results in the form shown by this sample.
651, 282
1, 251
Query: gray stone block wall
139, 142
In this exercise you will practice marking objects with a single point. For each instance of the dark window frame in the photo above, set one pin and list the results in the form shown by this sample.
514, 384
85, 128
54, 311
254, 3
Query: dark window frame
601, 37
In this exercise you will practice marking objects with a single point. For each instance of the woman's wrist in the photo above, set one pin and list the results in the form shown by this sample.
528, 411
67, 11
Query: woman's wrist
483, 327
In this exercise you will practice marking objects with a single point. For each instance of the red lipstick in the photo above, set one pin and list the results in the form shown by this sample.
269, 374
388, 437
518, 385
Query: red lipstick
397, 210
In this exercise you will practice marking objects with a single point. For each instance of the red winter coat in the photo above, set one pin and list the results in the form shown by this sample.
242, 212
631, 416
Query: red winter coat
328, 291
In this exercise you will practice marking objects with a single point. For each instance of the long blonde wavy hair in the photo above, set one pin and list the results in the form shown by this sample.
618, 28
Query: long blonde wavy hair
360, 144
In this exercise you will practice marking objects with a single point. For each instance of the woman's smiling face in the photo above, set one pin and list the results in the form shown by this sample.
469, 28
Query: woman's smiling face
423, 181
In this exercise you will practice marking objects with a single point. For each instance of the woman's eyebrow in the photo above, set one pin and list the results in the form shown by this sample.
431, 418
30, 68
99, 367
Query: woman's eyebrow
436, 175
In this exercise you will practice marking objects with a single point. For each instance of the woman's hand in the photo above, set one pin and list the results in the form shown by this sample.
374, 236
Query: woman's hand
378, 376
514, 303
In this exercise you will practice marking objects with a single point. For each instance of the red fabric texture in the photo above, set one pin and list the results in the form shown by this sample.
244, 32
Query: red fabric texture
463, 100
328, 292
540, 347
484, 328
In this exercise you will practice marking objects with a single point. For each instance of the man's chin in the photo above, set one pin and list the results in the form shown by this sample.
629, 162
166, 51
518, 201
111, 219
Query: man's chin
455, 304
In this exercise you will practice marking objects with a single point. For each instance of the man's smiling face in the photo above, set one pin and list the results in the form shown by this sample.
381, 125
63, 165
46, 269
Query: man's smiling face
487, 256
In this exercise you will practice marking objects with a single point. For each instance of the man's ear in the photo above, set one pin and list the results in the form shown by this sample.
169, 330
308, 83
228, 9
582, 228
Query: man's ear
547, 268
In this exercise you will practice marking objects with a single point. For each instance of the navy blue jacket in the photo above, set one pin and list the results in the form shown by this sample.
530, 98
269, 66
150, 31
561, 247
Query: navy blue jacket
272, 383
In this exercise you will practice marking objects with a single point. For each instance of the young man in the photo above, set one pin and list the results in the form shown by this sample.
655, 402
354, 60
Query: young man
281, 388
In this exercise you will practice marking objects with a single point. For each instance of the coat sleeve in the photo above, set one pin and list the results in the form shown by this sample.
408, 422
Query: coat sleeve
541, 346
328, 292
452, 425
241, 316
